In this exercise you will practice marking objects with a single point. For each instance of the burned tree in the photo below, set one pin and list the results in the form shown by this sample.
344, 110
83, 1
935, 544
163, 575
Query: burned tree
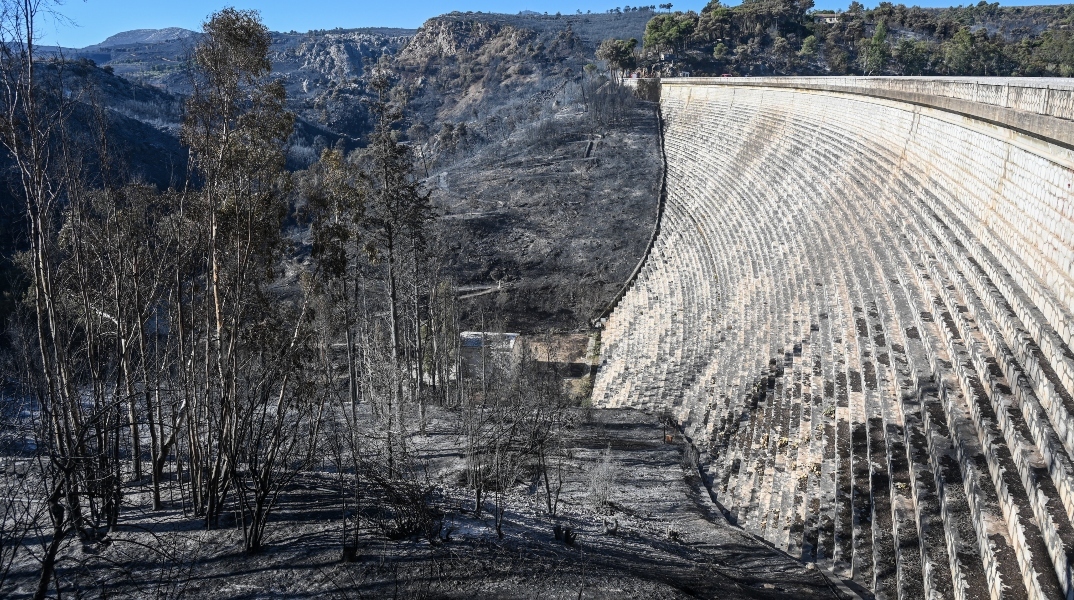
397, 213
241, 340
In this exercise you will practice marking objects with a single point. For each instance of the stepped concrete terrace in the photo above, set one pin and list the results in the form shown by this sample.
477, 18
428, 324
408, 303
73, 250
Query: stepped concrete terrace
860, 306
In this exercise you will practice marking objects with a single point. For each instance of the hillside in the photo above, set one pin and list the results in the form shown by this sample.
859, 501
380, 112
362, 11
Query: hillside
547, 176
490, 99
142, 127
545, 225
324, 70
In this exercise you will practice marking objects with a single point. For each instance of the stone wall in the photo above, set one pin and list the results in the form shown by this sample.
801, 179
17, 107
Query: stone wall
859, 306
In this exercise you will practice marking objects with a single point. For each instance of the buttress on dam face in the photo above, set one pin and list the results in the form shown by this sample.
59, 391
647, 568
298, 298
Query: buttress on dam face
860, 306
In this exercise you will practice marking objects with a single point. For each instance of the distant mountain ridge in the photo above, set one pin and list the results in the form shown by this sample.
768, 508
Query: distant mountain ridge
324, 70
146, 36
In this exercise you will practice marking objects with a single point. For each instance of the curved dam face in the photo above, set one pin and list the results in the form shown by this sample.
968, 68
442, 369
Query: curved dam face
859, 305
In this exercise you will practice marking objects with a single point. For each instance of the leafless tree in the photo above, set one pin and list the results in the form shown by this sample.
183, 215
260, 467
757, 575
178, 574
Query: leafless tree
602, 477
34, 113
512, 420
397, 211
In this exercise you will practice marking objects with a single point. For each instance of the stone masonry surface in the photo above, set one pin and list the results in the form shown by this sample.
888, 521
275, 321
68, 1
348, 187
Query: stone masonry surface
860, 305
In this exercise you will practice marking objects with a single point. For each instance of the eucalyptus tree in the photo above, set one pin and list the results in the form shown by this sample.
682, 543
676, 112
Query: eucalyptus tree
242, 339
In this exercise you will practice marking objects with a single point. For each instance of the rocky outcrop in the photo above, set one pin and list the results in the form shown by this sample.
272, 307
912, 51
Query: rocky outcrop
451, 37
859, 305
335, 56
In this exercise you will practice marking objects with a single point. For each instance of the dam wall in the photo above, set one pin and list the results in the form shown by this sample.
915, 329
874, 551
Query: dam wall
859, 306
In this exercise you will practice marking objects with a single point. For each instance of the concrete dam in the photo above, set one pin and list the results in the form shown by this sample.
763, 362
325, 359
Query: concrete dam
859, 304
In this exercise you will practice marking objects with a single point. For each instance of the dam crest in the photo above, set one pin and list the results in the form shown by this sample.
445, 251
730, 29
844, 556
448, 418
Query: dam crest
860, 306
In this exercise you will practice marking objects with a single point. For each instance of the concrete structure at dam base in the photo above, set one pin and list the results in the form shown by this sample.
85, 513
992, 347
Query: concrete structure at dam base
859, 303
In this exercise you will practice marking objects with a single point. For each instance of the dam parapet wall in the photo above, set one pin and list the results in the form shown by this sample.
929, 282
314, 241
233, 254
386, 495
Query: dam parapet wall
1016, 102
859, 305
1052, 97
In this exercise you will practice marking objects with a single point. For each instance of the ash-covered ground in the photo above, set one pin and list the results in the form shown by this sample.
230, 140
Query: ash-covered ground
658, 536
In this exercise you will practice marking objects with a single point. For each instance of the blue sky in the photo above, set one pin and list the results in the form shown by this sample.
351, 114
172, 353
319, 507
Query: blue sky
94, 20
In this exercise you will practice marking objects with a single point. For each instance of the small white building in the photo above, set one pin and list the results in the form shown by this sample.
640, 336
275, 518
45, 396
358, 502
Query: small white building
503, 342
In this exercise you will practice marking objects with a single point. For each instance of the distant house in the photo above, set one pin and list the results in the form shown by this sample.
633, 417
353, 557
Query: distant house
667, 56
825, 18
